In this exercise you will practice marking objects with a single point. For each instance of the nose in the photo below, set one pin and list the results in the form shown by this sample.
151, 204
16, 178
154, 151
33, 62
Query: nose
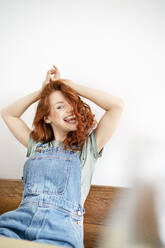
69, 108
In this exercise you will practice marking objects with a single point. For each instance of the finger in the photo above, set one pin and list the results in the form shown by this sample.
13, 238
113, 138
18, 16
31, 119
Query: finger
53, 71
55, 67
48, 73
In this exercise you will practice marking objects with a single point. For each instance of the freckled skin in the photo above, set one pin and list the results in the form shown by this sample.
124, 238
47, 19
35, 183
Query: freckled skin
57, 114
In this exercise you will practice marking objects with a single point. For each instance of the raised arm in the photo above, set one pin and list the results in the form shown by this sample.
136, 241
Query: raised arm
112, 105
11, 114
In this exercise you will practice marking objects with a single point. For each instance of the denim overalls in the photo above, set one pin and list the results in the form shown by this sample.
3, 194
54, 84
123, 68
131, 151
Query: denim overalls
50, 211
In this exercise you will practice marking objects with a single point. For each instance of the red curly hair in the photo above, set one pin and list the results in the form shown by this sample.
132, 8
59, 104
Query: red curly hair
43, 131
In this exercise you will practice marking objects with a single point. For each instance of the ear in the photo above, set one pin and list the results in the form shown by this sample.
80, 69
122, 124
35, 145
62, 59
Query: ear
46, 119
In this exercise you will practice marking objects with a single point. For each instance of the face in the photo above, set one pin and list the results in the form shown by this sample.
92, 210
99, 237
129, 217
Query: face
60, 109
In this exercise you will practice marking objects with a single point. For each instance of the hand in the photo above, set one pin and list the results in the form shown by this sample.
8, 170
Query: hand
56, 75
67, 82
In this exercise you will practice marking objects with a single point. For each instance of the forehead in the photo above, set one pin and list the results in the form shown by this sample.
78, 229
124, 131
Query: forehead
57, 96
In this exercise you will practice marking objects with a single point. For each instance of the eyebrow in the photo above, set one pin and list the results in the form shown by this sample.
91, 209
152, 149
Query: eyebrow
59, 102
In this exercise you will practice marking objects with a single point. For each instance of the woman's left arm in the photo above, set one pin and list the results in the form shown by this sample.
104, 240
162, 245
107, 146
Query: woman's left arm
111, 104
104, 100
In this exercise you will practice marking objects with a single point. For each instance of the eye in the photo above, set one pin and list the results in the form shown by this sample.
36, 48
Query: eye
60, 106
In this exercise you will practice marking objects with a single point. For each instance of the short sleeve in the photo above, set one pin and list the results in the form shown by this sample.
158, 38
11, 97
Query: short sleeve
90, 148
92, 145
89, 156
31, 146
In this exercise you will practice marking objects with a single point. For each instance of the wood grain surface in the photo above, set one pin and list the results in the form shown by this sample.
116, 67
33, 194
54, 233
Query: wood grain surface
97, 205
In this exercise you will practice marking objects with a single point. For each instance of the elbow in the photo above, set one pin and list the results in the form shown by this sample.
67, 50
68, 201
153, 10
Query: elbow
118, 103
3, 113
121, 103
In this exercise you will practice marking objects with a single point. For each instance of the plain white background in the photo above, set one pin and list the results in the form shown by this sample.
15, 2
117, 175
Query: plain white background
116, 46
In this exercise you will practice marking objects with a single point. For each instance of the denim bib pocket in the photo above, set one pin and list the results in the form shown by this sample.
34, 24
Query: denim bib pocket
47, 174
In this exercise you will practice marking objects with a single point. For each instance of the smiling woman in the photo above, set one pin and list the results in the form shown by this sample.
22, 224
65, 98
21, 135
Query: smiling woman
60, 112
62, 154
58, 102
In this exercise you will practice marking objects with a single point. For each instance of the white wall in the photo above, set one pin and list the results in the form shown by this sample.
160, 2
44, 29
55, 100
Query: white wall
116, 46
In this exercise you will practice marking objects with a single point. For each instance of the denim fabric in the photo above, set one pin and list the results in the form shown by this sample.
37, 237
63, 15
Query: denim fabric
50, 211
88, 156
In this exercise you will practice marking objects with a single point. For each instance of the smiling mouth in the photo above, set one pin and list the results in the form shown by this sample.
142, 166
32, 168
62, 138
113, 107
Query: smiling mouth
71, 121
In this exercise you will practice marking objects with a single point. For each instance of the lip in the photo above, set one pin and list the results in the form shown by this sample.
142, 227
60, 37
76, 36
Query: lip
71, 123
68, 116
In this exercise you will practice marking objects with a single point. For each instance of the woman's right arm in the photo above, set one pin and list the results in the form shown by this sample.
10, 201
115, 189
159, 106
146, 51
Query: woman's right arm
11, 115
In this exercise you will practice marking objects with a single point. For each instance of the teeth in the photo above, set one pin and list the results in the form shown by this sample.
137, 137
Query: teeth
70, 117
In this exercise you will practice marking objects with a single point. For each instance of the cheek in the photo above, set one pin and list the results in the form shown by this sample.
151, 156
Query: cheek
53, 116
56, 117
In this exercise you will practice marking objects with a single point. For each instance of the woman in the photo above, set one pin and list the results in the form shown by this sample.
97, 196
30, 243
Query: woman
62, 152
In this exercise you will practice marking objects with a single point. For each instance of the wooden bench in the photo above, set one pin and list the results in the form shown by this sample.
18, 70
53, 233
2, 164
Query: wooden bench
97, 205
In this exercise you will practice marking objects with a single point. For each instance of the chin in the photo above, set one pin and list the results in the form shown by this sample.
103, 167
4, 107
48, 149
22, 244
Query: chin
73, 128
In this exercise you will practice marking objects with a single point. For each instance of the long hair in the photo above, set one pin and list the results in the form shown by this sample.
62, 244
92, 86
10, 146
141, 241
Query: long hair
43, 131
